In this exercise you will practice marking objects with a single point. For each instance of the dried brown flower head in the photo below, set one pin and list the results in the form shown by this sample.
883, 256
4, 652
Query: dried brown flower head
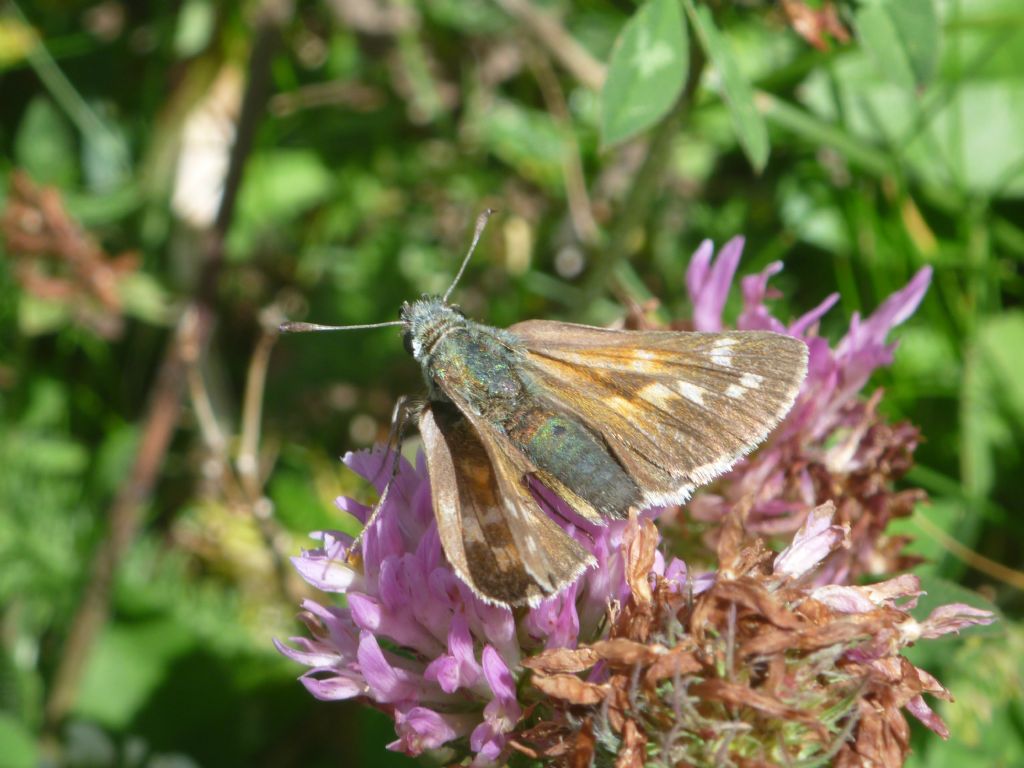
56, 260
758, 669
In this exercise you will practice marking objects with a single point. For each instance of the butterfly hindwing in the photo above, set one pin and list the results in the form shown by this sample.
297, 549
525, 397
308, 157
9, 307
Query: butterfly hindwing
677, 409
492, 530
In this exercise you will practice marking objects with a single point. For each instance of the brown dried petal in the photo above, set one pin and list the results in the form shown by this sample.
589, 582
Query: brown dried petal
546, 739
678, 662
555, 660
583, 750
639, 542
632, 752
840, 631
882, 738
624, 652
737, 695
569, 688
744, 593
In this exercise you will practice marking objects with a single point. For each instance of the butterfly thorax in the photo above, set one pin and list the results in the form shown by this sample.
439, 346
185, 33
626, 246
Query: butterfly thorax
464, 361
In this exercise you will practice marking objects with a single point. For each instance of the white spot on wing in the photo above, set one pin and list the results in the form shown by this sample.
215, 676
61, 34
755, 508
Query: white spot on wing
735, 391
642, 361
623, 406
751, 380
721, 354
659, 395
691, 392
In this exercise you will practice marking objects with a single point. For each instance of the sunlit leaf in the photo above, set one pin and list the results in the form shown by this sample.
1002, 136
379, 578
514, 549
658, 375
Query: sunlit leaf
903, 36
647, 71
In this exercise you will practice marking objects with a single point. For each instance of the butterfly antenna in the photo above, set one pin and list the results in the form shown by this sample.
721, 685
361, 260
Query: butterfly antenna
296, 327
481, 222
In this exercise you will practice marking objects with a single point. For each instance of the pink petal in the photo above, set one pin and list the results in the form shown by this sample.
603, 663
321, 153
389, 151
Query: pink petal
815, 540
917, 707
953, 618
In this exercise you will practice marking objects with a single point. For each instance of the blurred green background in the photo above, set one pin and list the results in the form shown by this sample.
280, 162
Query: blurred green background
162, 453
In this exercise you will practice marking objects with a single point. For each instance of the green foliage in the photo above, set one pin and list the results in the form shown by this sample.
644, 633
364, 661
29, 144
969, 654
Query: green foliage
384, 136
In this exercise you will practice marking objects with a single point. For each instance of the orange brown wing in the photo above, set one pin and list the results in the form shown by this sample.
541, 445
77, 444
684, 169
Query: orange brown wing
676, 408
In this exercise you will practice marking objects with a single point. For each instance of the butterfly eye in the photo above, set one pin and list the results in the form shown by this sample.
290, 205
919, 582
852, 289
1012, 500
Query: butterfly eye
407, 341
457, 310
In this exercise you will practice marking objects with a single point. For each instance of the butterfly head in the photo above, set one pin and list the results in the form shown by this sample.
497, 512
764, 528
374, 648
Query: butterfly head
425, 321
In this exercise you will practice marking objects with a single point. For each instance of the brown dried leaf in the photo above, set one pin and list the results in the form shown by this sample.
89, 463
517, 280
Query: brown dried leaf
569, 688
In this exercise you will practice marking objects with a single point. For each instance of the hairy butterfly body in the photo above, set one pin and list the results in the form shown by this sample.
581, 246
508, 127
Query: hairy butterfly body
608, 420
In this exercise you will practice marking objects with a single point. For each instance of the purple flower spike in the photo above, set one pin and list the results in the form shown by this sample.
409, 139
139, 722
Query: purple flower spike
415, 639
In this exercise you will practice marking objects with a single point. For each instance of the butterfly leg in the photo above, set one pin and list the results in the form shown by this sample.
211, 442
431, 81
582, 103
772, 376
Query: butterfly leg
401, 417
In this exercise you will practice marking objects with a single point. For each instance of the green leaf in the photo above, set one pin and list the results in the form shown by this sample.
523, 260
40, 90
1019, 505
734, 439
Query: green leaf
278, 186
45, 144
16, 743
647, 71
963, 135
133, 660
196, 22
38, 316
105, 160
530, 141
993, 402
737, 93
145, 298
903, 36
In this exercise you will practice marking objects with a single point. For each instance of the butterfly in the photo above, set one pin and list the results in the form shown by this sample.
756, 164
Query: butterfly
610, 421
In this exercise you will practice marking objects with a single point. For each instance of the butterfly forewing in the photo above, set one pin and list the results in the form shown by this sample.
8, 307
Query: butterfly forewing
493, 532
677, 409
